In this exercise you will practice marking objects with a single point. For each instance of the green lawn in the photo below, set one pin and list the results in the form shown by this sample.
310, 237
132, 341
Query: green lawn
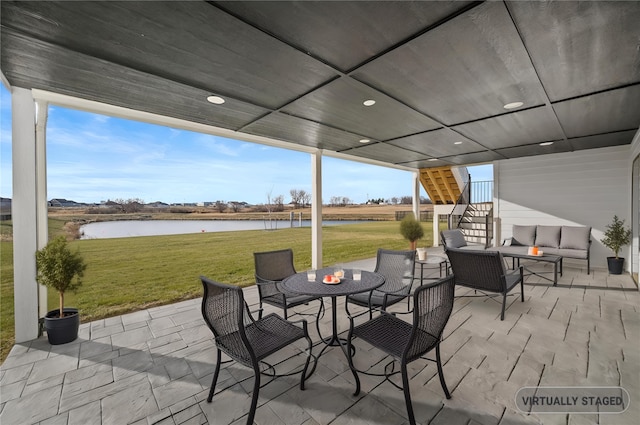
129, 274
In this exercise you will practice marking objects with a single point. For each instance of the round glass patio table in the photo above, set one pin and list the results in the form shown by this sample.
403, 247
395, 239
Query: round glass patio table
299, 284
433, 260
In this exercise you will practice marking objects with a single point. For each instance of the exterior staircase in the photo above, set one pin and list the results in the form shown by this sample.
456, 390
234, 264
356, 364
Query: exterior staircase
477, 223
473, 201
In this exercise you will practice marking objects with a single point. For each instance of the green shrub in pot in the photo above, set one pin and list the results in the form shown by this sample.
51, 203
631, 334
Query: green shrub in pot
615, 237
411, 230
60, 269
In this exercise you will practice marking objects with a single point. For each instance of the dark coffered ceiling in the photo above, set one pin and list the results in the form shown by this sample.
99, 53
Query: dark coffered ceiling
440, 72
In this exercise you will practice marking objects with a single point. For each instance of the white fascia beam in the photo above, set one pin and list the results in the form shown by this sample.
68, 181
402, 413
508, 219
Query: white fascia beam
132, 114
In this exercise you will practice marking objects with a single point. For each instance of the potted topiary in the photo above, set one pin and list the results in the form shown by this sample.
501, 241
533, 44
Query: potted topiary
615, 237
61, 269
411, 230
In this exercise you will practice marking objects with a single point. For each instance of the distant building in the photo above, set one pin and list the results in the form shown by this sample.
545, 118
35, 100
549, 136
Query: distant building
157, 204
5, 208
65, 203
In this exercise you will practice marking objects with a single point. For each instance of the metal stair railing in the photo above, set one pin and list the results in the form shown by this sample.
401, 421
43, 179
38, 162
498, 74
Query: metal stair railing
484, 190
463, 199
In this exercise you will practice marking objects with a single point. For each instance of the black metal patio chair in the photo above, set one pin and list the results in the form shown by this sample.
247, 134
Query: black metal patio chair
271, 267
406, 342
245, 340
398, 269
485, 271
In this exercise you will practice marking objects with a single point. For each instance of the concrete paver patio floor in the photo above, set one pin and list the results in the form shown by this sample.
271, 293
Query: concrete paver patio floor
155, 366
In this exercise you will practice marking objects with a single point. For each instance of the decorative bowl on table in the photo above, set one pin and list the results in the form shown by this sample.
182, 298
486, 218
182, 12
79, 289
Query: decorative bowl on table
330, 279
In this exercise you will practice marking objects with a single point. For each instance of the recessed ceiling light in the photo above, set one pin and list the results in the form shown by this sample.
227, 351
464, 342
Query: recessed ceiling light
513, 105
546, 143
457, 143
369, 102
432, 159
364, 140
216, 100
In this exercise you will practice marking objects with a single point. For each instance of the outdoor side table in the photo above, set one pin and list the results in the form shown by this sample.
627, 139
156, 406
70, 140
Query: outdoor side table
431, 262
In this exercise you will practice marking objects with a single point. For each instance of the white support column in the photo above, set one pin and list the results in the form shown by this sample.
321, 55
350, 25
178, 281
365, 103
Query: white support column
42, 111
24, 208
416, 195
316, 209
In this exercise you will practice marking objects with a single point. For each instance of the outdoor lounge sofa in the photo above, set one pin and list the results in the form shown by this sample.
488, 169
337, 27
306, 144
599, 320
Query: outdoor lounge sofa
565, 241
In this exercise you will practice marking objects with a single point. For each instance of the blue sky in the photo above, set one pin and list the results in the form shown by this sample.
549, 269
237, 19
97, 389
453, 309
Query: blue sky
92, 158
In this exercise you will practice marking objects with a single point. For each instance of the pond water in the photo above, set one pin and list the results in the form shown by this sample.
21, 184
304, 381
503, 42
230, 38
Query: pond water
131, 228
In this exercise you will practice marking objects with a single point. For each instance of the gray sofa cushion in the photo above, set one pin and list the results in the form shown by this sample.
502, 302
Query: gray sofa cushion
453, 238
580, 254
510, 249
574, 237
523, 235
548, 236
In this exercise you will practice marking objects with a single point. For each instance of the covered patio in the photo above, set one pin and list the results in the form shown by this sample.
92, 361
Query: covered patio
155, 366
547, 92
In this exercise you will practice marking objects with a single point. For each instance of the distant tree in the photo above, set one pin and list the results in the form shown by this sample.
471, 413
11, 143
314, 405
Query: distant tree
221, 206
278, 203
339, 201
306, 199
298, 197
395, 200
406, 200
235, 206
130, 205
274, 204
335, 201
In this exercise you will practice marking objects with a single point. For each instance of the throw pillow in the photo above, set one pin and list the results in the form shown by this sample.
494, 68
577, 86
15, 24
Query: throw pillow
548, 236
523, 235
575, 237
453, 238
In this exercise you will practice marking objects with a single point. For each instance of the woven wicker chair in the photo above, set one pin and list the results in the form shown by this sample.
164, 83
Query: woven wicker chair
485, 271
406, 342
271, 267
397, 267
245, 340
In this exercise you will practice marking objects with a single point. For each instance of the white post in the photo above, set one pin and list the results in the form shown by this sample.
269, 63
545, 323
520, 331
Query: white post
24, 207
42, 210
416, 195
316, 209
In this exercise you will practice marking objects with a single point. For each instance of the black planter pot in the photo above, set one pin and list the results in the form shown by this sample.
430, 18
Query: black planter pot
61, 330
616, 265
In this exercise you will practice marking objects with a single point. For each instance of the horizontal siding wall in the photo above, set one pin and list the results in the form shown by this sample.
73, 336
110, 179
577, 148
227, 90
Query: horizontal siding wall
635, 209
584, 188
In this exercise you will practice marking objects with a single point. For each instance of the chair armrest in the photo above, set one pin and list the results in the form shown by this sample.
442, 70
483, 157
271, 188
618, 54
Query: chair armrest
301, 321
258, 310
267, 287
396, 313
396, 294
353, 316
399, 292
